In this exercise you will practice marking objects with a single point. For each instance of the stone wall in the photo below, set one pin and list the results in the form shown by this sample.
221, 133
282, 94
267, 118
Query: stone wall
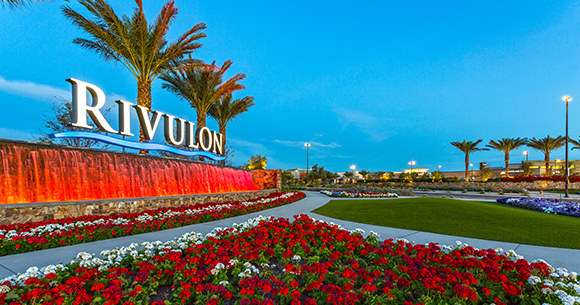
267, 178
41, 211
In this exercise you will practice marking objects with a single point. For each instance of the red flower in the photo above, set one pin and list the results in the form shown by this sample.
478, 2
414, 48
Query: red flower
295, 294
98, 287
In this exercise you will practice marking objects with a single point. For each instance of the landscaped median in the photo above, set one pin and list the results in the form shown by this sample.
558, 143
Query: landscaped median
31, 236
344, 194
275, 261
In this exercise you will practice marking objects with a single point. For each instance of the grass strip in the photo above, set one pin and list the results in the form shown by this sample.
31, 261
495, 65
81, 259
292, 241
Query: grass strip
475, 219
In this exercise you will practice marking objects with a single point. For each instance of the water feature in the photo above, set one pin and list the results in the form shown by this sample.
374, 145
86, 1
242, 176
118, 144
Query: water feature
31, 172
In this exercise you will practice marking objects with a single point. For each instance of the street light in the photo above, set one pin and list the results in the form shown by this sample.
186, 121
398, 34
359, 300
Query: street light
307, 146
471, 164
352, 167
439, 167
526, 153
412, 163
567, 99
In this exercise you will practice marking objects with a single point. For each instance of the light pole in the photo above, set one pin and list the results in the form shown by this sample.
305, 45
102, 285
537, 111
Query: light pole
567, 99
307, 146
471, 164
352, 167
439, 167
526, 153
412, 163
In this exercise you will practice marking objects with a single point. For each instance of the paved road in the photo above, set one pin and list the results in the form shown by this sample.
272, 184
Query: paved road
14, 264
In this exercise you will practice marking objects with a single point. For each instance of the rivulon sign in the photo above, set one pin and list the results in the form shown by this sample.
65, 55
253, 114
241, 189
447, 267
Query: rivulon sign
185, 133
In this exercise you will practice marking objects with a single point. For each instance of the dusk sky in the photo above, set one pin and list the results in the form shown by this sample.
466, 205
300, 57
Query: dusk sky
376, 84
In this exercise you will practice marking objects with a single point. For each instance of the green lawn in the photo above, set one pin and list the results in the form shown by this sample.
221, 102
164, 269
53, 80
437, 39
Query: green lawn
477, 219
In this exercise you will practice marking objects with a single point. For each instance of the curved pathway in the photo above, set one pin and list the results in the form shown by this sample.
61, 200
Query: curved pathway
19, 263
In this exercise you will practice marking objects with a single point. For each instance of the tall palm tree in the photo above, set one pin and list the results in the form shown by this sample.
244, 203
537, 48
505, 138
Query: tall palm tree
226, 109
546, 146
140, 47
507, 145
202, 87
13, 4
575, 142
467, 148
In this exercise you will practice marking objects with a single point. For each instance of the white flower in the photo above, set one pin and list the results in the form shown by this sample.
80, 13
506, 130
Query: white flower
296, 257
533, 280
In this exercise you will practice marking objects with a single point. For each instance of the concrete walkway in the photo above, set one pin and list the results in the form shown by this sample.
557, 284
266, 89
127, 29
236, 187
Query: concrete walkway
19, 263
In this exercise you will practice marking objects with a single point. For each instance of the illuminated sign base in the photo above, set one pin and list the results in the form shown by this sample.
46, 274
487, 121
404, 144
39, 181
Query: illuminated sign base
136, 145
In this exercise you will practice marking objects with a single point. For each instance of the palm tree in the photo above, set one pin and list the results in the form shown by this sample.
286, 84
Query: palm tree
138, 46
202, 87
575, 142
546, 146
507, 145
13, 4
467, 148
226, 109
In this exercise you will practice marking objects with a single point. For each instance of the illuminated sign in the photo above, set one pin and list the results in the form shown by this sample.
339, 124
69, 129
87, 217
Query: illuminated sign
209, 142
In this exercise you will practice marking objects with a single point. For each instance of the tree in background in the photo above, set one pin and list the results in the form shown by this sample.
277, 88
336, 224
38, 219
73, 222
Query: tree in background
59, 119
485, 173
319, 173
546, 146
527, 168
364, 174
437, 176
256, 162
467, 147
134, 43
226, 109
286, 177
507, 145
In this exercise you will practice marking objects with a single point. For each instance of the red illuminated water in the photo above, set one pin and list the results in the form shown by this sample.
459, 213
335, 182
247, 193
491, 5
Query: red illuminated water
38, 174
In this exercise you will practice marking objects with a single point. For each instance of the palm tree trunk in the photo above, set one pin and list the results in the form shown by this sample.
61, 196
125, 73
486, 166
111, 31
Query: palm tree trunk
201, 123
547, 160
223, 132
507, 165
467, 167
143, 99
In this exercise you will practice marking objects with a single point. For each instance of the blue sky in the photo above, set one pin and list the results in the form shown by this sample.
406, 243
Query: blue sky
376, 84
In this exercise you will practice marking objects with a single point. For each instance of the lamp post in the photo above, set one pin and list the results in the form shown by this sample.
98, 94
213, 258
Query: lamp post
412, 163
471, 164
567, 99
307, 146
352, 167
526, 153
439, 168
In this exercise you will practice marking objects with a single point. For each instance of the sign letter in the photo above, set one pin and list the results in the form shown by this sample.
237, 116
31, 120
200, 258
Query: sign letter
80, 107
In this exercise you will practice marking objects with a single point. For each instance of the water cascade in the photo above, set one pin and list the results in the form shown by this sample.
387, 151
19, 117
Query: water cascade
31, 172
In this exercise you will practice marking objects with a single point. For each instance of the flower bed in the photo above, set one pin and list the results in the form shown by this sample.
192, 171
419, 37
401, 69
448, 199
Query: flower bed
531, 178
31, 236
309, 262
546, 205
358, 194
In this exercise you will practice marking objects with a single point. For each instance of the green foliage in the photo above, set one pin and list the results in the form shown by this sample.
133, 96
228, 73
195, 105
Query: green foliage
485, 173
546, 146
319, 173
256, 162
286, 176
437, 176
467, 147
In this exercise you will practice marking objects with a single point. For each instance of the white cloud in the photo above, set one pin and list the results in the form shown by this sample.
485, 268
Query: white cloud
341, 156
254, 148
15, 134
373, 126
42, 92
33, 90
301, 144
